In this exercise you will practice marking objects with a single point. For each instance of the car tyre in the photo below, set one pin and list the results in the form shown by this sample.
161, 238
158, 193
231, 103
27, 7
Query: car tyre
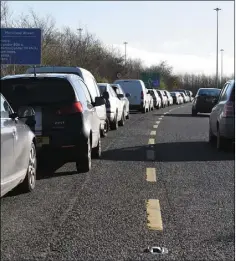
128, 116
194, 112
105, 130
84, 162
221, 143
114, 124
97, 151
29, 182
212, 137
122, 121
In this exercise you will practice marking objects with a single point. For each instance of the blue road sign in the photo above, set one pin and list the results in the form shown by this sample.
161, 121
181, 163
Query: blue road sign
155, 83
21, 46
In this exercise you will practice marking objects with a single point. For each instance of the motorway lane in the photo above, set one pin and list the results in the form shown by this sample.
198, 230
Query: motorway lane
101, 215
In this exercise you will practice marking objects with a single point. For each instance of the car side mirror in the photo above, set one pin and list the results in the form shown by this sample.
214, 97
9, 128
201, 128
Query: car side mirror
99, 101
128, 95
120, 96
106, 95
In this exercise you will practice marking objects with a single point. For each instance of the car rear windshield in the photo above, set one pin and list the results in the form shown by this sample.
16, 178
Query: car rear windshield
37, 91
209, 92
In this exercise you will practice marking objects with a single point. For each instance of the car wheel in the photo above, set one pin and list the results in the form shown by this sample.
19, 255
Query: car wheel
97, 151
128, 116
122, 121
84, 162
221, 143
144, 110
194, 112
114, 124
212, 137
30, 179
105, 130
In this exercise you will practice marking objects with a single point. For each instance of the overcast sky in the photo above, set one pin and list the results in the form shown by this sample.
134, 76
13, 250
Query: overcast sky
181, 32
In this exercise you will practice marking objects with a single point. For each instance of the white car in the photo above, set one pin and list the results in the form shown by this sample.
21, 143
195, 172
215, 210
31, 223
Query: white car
151, 101
169, 98
139, 99
114, 106
177, 98
123, 97
156, 98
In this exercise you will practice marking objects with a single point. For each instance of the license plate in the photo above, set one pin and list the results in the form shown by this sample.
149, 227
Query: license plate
42, 141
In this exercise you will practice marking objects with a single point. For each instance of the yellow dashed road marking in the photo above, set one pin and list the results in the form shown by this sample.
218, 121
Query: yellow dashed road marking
160, 118
155, 126
154, 220
151, 141
153, 133
151, 175
157, 122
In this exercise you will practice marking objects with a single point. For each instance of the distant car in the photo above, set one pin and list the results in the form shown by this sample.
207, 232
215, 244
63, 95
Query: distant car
156, 98
169, 98
177, 98
66, 117
185, 97
139, 99
190, 95
164, 100
204, 100
123, 97
114, 106
151, 101
222, 117
18, 150
88, 79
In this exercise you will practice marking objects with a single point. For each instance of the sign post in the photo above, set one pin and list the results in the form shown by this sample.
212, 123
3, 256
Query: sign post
21, 46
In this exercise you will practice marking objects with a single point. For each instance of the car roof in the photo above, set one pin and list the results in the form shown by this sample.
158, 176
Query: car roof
38, 75
59, 69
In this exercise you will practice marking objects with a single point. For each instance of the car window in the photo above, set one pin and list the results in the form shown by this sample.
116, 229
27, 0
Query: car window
112, 91
81, 86
40, 90
229, 90
223, 94
5, 108
209, 92
102, 88
92, 87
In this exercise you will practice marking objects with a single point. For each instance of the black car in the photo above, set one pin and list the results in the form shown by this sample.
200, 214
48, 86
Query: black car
204, 100
65, 116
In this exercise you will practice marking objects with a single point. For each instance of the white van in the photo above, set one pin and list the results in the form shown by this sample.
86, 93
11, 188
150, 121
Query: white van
89, 80
138, 99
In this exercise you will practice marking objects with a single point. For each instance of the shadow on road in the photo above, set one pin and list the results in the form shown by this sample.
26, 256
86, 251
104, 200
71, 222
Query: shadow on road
171, 152
185, 115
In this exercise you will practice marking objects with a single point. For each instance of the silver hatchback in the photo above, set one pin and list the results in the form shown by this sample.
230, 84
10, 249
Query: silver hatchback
18, 149
222, 117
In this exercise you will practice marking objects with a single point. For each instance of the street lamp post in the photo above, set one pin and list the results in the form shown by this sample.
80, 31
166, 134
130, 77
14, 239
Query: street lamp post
80, 33
217, 48
221, 67
125, 43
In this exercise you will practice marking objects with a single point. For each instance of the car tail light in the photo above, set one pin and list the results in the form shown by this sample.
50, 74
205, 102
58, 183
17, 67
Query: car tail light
228, 110
141, 94
71, 109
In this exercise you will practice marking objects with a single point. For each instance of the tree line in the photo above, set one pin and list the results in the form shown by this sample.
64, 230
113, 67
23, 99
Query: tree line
68, 48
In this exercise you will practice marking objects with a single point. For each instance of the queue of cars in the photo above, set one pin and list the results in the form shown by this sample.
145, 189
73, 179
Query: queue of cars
63, 109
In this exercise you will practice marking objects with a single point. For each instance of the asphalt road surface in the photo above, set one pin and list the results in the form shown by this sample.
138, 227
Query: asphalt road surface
176, 192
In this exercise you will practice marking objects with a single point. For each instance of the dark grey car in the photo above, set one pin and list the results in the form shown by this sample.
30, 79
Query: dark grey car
18, 151
222, 117
65, 115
